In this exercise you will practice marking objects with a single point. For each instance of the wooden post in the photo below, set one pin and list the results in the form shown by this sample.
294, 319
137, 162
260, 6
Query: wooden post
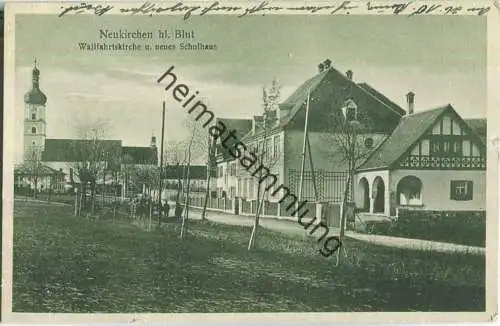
312, 169
160, 207
303, 163
76, 201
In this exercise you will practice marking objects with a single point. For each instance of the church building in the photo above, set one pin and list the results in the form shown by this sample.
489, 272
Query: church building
52, 164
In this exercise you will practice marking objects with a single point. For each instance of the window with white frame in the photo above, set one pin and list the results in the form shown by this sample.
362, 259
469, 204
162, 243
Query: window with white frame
461, 190
350, 110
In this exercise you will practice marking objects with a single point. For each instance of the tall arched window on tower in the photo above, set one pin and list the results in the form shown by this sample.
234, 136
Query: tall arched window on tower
33, 116
33, 130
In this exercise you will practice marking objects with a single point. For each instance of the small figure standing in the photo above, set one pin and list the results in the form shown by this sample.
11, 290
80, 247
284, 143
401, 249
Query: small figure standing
166, 209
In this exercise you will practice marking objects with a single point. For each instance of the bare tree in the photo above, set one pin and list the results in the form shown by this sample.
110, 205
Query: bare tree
33, 168
91, 157
174, 157
348, 136
210, 166
196, 146
146, 178
266, 157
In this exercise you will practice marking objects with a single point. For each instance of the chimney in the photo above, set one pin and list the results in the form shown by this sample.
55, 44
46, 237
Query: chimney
153, 141
283, 111
349, 74
257, 123
327, 64
410, 100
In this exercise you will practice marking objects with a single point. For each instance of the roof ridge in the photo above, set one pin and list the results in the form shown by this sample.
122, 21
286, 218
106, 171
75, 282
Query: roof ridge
395, 139
376, 98
383, 97
443, 107
324, 73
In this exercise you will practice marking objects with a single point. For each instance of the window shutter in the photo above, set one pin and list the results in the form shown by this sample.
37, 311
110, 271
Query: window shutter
469, 190
453, 193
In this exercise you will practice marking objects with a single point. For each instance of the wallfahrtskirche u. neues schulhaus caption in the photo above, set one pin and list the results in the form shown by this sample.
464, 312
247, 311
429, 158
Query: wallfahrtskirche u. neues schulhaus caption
98, 46
187, 36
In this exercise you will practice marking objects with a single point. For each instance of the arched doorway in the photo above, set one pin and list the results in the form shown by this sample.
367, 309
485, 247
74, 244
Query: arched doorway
409, 191
363, 195
378, 195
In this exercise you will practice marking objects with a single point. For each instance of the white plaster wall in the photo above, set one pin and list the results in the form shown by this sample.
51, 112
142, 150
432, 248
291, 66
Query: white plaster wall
435, 191
370, 177
65, 166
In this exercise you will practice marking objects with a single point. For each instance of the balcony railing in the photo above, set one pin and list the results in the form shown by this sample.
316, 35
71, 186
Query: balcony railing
444, 162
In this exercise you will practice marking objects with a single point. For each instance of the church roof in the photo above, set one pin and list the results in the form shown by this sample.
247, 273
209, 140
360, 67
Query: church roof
35, 95
78, 150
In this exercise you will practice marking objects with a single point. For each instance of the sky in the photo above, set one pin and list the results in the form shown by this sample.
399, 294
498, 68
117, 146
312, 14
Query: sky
441, 59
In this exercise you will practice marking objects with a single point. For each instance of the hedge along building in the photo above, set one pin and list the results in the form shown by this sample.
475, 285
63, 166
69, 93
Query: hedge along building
326, 93
433, 161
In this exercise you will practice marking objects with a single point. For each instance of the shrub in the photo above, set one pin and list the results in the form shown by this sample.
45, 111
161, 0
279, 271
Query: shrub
381, 227
465, 227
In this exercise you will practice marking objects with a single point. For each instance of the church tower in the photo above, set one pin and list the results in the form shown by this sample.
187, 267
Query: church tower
34, 122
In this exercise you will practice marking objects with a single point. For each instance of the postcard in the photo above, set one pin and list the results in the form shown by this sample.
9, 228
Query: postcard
247, 161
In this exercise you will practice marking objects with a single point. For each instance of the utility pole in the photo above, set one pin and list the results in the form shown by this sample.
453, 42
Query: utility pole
301, 182
160, 206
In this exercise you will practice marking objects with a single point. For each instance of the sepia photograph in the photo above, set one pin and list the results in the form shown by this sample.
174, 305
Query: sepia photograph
267, 163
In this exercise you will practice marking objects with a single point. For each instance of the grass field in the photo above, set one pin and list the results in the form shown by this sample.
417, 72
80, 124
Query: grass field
68, 264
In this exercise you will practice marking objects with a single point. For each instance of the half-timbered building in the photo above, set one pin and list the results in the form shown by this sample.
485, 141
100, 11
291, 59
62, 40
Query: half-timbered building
433, 160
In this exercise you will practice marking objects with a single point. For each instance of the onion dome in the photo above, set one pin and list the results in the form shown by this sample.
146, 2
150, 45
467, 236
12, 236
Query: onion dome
35, 95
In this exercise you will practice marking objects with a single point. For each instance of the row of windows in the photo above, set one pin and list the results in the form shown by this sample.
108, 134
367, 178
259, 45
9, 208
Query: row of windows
446, 147
271, 148
232, 171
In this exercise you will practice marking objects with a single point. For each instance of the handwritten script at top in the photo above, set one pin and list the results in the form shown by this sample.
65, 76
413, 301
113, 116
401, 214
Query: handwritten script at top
411, 8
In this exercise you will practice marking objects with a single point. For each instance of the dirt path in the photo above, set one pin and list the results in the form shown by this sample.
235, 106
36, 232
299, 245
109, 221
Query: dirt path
293, 227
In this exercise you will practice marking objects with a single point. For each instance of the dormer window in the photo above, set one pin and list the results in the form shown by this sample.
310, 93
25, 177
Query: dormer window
350, 110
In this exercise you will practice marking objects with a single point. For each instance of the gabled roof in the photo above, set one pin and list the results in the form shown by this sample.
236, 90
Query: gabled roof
241, 126
409, 130
382, 98
41, 170
299, 97
139, 155
479, 127
70, 150
77, 150
333, 78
